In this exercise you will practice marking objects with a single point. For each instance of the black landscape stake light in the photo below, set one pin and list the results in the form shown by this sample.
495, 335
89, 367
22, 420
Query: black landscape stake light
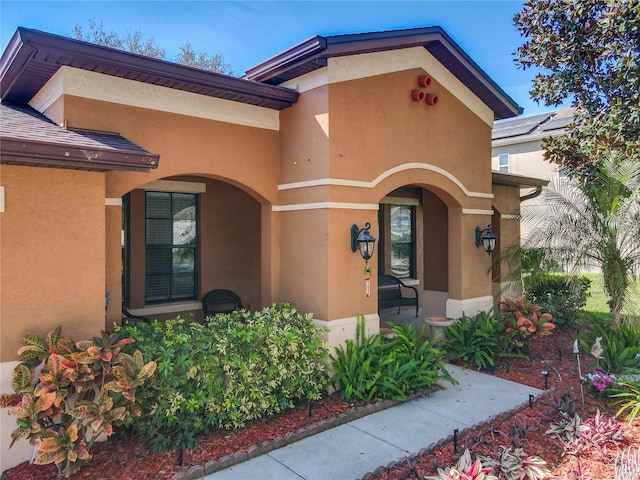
530, 401
455, 440
559, 353
310, 408
545, 374
180, 453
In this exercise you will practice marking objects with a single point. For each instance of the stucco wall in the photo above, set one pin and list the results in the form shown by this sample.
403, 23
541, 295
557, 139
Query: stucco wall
52, 254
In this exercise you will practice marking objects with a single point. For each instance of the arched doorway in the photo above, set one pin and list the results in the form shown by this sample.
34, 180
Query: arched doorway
185, 236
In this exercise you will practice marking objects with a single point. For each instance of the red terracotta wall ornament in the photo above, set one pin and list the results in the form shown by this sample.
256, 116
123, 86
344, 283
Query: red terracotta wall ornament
431, 99
424, 80
418, 95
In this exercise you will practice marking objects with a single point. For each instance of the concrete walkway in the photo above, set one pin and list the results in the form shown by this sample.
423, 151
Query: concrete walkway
360, 446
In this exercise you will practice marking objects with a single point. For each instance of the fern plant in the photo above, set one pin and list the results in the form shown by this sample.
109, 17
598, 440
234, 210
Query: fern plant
373, 368
629, 400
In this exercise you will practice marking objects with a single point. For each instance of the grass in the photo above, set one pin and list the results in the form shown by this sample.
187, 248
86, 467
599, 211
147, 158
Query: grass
597, 300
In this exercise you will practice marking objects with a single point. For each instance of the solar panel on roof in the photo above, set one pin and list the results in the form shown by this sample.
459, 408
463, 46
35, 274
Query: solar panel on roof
518, 126
555, 123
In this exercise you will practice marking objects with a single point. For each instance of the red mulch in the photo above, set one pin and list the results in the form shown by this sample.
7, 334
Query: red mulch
129, 459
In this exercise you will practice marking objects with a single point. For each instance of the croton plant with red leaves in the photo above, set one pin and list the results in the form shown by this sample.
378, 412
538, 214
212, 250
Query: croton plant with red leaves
83, 389
526, 320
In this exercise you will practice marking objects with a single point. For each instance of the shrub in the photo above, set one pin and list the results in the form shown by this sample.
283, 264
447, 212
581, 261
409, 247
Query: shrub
620, 346
375, 368
229, 370
84, 390
476, 340
564, 296
526, 320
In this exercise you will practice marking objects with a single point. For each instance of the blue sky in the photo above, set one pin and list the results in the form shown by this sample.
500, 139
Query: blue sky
248, 32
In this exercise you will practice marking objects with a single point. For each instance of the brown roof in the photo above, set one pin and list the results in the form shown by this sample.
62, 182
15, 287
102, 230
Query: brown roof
32, 57
29, 138
313, 54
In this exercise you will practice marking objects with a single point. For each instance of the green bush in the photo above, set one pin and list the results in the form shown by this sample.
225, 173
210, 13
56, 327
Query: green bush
563, 296
375, 368
229, 370
620, 346
476, 340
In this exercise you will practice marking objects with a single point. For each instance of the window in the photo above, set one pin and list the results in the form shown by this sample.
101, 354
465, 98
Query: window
402, 240
171, 246
503, 162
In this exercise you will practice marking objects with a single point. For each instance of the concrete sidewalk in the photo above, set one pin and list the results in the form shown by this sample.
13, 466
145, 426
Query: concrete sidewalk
360, 446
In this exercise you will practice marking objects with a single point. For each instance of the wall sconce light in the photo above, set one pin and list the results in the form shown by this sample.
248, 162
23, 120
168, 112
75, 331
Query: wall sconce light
362, 240
486, 238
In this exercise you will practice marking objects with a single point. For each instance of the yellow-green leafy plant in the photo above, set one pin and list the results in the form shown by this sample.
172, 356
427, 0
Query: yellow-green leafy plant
82, 391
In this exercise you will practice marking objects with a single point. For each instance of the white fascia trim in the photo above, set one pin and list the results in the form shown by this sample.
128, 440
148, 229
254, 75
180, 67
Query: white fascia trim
97, 86
526, 139
476, 211
325, 205
392, 171
113, 202
355, 67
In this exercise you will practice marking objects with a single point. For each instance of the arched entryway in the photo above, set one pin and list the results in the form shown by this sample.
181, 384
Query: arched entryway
414, 244
184, 236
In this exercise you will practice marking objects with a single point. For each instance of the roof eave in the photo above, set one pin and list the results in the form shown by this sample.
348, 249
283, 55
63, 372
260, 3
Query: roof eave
513, 180
25, 43
318, 49
18, 151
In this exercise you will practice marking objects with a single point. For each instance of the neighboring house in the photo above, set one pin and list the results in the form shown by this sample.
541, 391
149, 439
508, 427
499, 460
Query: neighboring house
517, 147
517, 143
160, 182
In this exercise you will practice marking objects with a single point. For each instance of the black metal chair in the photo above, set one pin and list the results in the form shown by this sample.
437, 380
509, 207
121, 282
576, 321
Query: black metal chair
128, 316
220, 301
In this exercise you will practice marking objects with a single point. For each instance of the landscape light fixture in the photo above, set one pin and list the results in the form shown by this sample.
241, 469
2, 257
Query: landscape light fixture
362, 240
486, 238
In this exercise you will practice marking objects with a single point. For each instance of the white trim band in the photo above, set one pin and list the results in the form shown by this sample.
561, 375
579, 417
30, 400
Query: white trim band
476, 211
325, 205
113, 202
372, 184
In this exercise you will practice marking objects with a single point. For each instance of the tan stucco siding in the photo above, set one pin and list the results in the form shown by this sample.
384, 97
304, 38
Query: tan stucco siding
304, 138
52, 254
375, 125
304, 265
241, 155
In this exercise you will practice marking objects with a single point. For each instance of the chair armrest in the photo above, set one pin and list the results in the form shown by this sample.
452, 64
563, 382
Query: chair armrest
415, 290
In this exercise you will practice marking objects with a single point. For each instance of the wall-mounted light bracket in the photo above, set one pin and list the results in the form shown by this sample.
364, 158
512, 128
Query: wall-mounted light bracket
362, 240
486, 238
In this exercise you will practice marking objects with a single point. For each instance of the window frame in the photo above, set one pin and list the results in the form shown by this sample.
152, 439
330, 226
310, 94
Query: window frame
169, 250
411, 243
504, 167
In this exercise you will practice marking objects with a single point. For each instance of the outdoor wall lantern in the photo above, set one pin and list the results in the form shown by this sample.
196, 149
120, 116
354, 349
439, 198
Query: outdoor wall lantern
486, 238
362, 240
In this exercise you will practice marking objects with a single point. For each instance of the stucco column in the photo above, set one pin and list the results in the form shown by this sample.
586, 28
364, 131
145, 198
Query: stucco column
469, 266
113, 264
269, 255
